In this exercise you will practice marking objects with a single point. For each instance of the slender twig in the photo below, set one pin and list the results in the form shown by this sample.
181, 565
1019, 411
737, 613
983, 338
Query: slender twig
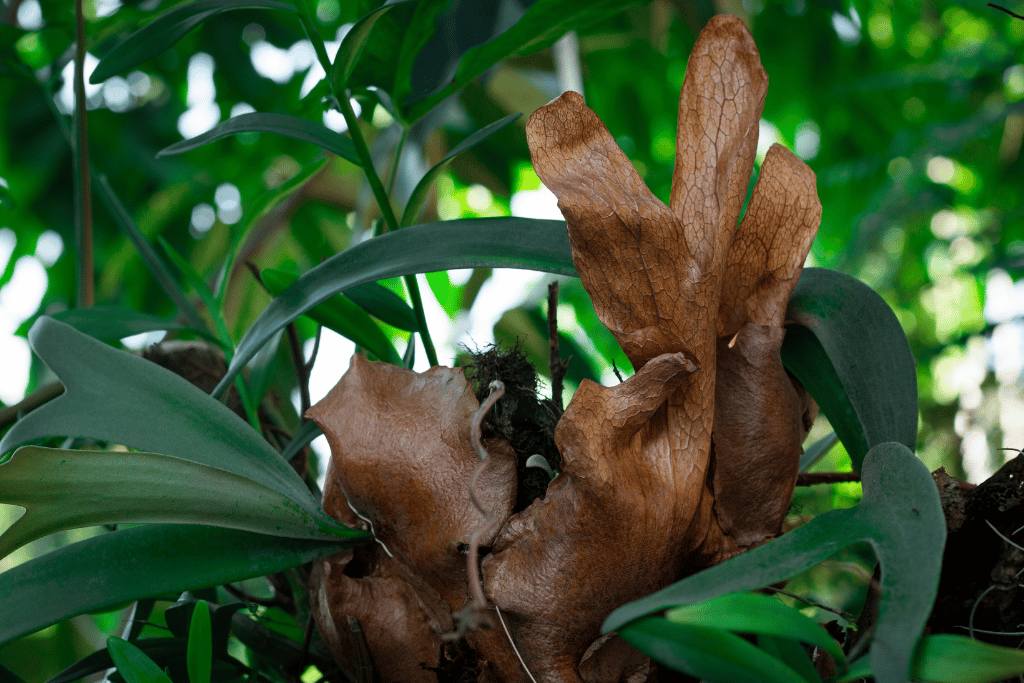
246, 597
389, 217
1003, 9
812, 478
316, 348
556, 365
43, 394
301, 371
845, 615
83, 183
398, 160
475, 614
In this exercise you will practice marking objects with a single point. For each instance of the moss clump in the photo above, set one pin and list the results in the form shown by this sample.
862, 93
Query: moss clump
521, 417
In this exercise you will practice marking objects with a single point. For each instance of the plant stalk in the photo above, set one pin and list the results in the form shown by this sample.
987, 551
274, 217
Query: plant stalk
389, 218
83, 184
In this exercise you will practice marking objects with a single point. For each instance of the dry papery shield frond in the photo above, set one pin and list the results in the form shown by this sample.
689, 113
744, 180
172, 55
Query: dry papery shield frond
688, 462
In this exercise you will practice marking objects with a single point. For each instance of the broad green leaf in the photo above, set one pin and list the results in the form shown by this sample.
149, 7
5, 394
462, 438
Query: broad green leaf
352, 46
133, 663
160, 271
110, 323
749, 613
283, 124
64, 489
848, 349
954, 659
470, 243
118, 397
160, 650
817, 450
792, 654
199, 656
710, 654
341, 315
168, 29
419, 193
144, 562
899, 515
543, 22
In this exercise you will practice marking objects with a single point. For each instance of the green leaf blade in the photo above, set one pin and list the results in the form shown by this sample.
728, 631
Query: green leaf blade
281, 124
419, 193
133, 663
199, 655
63, 489
470, 243
711, 654
167, 29
848, 349
118, 397
144, 562
760, 614
341, 315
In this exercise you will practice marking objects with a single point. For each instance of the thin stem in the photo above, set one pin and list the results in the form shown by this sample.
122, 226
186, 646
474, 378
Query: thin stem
83, 184
812, 478
389, 218
398, 159
43, 394
556, 365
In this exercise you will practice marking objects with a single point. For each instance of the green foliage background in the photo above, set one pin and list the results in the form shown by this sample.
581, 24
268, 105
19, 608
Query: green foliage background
917, 106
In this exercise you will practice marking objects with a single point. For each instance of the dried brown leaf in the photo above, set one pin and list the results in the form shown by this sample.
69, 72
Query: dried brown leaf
402, 458
761, 415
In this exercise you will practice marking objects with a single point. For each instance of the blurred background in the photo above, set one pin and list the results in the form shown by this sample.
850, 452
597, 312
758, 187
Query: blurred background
909, 112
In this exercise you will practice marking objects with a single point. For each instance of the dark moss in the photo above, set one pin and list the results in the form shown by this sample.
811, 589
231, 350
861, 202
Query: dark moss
522, 417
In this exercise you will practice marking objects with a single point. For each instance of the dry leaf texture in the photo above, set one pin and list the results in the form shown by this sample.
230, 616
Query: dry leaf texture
683, 465
402, 457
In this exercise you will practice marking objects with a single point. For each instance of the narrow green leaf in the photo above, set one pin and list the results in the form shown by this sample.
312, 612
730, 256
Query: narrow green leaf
160, 650
899, 515
168, 29
118, 397
792, 654
383, 304
259, 208
282, 124
144, 562
419, 193
197, 283
341, 315
199, 656
352, 45
750, 613
302, 438
160, 271
479, 242
110, 323
959, 659
710, 654
817, 450
848, 349
954, 659
543, 22
261, 369
133, 664
65, 489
